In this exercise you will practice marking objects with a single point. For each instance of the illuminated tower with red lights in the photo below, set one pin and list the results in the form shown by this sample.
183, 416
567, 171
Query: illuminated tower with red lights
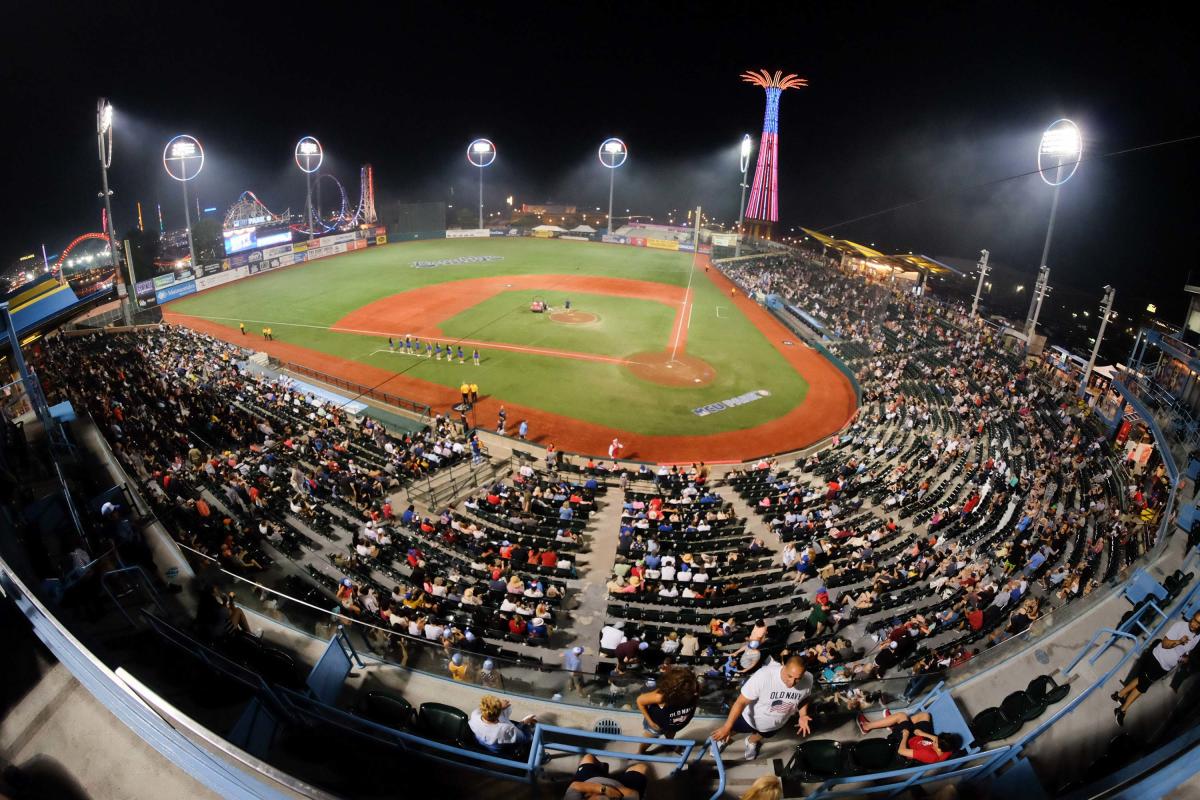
762, 210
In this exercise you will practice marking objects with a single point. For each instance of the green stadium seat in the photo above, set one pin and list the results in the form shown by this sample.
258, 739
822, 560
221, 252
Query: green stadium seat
817, 760
1046, 691
873, 755
443, 723
388, 709
991, 725
1020, 705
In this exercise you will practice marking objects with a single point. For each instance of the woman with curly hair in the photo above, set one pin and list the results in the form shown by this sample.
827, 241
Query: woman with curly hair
669, 707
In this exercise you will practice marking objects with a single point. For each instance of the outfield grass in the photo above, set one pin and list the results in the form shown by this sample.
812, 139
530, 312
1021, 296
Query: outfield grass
301, 302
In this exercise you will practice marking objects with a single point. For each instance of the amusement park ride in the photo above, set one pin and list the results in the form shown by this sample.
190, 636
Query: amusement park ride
249, 210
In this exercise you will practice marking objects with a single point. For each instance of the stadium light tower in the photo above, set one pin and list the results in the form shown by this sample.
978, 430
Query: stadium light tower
183, 158
1060, 149
747, 146
104, 129
1105, 312
613, 153
481, 153
309, 157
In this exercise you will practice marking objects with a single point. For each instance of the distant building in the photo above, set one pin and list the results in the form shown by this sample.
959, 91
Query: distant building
547, 208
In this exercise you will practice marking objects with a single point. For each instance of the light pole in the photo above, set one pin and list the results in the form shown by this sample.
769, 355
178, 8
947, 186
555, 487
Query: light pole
983, 271
747, 145
1061, 144
309, 157
481, 153
613, 153
1105, 312
176, 157
104, 118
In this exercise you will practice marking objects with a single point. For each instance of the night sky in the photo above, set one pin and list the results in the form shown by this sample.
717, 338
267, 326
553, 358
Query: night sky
926, 104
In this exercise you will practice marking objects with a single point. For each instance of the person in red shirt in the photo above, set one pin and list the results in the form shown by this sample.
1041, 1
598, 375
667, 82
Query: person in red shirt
516, 625
549, 558
916, 741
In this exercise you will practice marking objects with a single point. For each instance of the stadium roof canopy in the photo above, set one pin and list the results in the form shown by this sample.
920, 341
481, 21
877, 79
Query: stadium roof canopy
905, 262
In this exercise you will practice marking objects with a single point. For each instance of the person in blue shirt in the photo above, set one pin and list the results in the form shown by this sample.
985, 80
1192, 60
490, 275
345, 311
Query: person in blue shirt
523, 429
536, 627
407, 517
566, 512
573, 665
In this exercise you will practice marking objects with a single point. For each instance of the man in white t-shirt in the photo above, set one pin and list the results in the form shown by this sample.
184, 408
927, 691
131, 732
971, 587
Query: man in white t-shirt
766, 702
610, 637
1177, 641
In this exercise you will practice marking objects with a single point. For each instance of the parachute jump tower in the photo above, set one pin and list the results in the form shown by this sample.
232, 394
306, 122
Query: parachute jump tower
762, 210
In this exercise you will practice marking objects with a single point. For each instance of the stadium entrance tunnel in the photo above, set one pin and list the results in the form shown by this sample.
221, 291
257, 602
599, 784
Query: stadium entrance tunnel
667, 370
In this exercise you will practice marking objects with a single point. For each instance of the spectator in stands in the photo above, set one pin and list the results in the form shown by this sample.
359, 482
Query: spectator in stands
592, 782
629, 654
765, 787
1179, 639
766, 702
670, 705
748, 656
458, 667
573, 666
914, 737
495, 732
489, 676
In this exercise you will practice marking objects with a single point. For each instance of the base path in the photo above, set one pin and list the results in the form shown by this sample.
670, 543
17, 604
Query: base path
827, 407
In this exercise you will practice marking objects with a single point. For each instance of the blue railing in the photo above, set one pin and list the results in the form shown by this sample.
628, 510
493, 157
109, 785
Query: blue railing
910, 776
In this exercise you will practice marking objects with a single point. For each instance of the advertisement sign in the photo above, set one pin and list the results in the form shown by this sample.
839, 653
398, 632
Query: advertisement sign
144, 288
539, 234
637, 241
276, 252
470, 233
575, 238
175, 291
663, 244
300, 247
240, 239
381, 239
211, 269
341, 238
724, 239
255, 256
297, 258
163, 281
687, 247
612, 238
279, 237
241, 259
359, 244
209, 281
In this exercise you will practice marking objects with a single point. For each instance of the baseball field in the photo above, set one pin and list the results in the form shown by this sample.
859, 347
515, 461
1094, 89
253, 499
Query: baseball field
656, 349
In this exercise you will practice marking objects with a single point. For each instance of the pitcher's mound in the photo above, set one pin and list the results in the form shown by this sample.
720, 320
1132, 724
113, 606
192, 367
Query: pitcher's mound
683, 370
573, 317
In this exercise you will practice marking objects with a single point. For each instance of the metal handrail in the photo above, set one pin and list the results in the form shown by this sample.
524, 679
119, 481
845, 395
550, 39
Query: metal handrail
914, 776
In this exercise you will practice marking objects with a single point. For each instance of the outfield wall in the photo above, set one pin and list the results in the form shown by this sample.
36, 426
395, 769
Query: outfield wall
183, 282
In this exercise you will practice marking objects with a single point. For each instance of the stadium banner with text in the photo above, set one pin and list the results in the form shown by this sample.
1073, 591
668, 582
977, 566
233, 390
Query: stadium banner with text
637, 241
612, 238
257, 255
300, 247
175, 291
687, 247
209, 281
543, 234
663, 244
469, 233
382, 239
575, 238
212, 269
163, 281
724, 239
144, 288
359, 244
276, 252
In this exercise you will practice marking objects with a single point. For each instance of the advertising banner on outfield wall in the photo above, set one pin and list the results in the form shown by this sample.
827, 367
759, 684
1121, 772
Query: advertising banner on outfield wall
209, 281
381, 239
211, 269
163, 281
637, 241
276, 252
144, 288
687, 247
725, 239
175, 291
613, 238
255, 256
470, 233
300, 247
663, 244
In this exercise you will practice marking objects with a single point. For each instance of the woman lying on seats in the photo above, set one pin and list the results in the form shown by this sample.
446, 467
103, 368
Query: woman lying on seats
914, 736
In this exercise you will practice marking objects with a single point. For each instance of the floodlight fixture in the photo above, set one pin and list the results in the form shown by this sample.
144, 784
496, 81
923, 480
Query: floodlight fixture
182, 152
1061, 148
309, 155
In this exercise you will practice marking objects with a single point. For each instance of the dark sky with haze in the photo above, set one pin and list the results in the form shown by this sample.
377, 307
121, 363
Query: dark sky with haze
925, 102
